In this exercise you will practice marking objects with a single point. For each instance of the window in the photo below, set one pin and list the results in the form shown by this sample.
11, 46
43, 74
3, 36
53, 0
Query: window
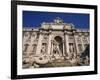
84, 39
26, 34
34, 48
32, 34
70, 37
26, 47
78, 39
85, 45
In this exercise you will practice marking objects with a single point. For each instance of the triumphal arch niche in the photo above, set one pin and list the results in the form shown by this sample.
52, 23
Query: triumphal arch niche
54, 43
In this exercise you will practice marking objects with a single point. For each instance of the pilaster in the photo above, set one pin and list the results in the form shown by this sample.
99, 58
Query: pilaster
49, 43
76, 44
39, 45
82, 44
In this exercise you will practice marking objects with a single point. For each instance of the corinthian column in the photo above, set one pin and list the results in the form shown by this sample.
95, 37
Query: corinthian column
49, 44
66, 44
39, 45
76, 44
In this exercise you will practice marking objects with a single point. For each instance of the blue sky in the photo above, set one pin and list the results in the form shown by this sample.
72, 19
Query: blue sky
35, 18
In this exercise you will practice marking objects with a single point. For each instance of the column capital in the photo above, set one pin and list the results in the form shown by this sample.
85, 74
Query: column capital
66, 32
50, 31
40, 31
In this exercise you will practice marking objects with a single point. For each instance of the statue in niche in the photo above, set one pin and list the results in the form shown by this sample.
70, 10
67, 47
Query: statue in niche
71, 49
34, 48
56, 49
43, 50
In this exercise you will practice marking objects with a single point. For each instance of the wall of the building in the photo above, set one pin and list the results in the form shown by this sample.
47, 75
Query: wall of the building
76, 41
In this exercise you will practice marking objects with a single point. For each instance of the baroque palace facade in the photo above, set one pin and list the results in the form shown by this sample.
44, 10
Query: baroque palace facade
53, 41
